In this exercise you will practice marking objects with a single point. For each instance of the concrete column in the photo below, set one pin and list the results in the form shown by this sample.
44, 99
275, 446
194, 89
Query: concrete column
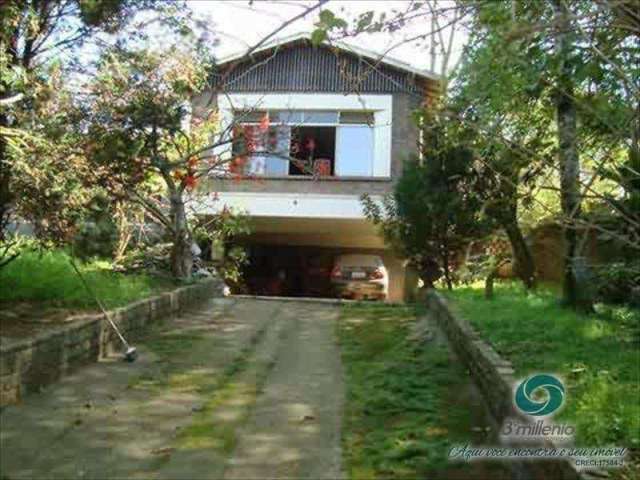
396, 271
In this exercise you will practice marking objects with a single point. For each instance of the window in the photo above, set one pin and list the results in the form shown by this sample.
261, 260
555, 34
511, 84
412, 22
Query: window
286, 116
305, 142
320, 117
278, 163
354, 151
302, 117
313, 149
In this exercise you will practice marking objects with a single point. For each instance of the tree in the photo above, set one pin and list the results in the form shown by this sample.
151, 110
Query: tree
501, 114
35, 151
142, 140
434, 212
552, 83
569, 160
551, 90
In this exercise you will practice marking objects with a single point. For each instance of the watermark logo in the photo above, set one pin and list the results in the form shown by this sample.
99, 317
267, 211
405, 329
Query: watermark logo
527, 397
539, 396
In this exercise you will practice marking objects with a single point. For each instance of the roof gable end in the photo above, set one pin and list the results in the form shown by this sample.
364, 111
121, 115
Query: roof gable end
296, 65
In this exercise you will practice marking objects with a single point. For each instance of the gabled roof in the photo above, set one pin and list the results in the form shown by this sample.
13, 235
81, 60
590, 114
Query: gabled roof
346, 47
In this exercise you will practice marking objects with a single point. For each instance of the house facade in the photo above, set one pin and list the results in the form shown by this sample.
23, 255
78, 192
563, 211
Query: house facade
338, 122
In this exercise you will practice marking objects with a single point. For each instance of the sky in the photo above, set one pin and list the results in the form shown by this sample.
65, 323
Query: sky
239, 24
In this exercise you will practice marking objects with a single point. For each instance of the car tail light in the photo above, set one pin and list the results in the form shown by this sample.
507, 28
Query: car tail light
376, 274
336, 272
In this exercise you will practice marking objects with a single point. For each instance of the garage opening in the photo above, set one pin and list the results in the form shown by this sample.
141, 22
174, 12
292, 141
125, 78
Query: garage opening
288, 271
320, 272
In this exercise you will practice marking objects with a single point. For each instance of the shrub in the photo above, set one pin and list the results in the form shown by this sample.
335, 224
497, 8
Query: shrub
616, 281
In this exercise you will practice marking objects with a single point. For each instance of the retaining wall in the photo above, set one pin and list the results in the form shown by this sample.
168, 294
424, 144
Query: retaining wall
494, 377
27, 365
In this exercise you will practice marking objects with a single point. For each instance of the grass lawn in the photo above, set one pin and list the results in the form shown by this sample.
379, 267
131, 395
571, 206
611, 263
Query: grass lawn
598, 356
47, 277
406, 403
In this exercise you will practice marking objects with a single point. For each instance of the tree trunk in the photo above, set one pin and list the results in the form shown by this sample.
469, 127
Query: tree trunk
574, 289
181, 256
446, 267
524, 266
5, 176
505, 212
488, 284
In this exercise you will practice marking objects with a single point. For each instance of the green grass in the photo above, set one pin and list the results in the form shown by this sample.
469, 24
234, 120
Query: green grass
598, 356
405, 401
48, 277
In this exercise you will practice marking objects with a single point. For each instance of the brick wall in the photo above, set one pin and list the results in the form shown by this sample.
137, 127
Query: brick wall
29, 364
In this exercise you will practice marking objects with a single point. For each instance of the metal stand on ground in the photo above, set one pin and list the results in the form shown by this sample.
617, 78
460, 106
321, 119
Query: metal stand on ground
130, 353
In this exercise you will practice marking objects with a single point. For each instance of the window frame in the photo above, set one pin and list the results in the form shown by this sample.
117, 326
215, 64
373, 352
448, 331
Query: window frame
337, 125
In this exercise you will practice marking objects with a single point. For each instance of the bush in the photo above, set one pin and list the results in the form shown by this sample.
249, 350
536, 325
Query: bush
615, 281
97, 234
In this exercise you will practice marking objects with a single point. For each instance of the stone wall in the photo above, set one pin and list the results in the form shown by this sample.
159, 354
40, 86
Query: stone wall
494, 377
29, 364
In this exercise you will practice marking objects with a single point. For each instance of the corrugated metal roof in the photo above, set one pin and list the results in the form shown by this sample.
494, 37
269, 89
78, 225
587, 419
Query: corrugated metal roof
347, 47
300, 67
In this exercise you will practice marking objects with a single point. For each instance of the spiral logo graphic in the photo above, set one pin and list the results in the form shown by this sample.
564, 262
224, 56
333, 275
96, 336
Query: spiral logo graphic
554, 395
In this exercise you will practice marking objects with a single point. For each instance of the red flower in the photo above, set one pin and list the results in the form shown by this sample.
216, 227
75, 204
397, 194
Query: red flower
237, 164
190, 181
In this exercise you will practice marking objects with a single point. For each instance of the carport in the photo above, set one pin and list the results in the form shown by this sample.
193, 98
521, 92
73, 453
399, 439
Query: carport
294, 256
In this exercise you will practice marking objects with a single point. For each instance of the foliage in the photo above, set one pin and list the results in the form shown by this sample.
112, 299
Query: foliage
442, 17
485, 258
139, 116
38, 159
597, 355
47, 276
219, 232
97, 234
615, 281
396, 395
548, 88
50, 176
623, 221
152, 258
547, 98
143, 142
435, 211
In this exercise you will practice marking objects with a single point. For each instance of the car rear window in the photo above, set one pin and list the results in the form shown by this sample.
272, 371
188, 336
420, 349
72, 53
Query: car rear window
359, 261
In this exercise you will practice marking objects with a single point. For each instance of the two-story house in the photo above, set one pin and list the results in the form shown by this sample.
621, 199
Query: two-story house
346, 114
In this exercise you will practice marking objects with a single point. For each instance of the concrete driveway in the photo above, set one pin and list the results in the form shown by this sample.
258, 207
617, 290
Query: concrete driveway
243, 388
